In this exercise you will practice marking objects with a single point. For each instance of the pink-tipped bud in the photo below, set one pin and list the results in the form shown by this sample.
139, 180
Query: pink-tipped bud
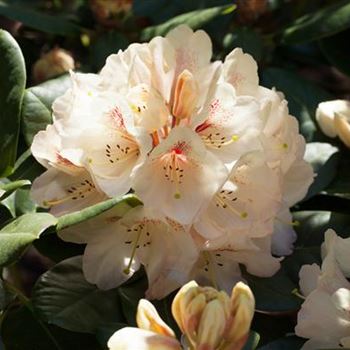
210, 319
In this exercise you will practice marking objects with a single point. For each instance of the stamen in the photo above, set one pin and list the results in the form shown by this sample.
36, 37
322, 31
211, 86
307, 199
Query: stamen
221, 201
155, 138
74, 192
133, 252
296, 293
209, 268
288, 223
217, 142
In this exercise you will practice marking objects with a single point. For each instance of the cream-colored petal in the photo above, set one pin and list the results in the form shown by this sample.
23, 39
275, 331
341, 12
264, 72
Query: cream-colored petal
147, 318
309, 275
139, 339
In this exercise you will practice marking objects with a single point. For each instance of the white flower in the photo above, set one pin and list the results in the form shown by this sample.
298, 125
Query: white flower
65, 193
218, 263
324, 317
65, 186
247, 202
179, 175
201, 144
327, 112
241, 71
116, 249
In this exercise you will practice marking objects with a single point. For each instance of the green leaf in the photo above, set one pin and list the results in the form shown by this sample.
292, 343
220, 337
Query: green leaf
12, 84
5, 297
37, 102
128, 200
53, 247
313, 224
64, 298
287, 343
324, 159
340, 186
303, 98
43, 22
337, 53
7, 188
194, 19
16, 236
110, 42
130, 294
253, 341
247, 39
273, 294
325, 22
105, 332
23, 329
301, 256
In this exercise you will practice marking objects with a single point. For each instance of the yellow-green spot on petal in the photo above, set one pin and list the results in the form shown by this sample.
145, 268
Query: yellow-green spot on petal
177, 195
90, 160
244, 215
89, 93
235, 137
285, 145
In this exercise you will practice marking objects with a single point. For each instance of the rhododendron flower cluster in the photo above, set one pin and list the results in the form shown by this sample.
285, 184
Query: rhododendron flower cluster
324, 316
216, 160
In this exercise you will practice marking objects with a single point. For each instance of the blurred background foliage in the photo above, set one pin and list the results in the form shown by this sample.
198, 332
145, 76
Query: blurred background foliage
301, 49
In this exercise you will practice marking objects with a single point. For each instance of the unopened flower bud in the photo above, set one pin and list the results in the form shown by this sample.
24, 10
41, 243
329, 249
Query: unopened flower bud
110, 12
325, 115
342, 126
53, 63
147, 318
242, 312
210, 320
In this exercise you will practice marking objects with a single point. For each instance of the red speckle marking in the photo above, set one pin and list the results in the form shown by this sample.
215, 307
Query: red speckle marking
117, 116
180, 148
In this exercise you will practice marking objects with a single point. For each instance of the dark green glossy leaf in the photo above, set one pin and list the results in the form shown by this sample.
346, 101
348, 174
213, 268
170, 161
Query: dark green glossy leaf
37, 102
301, 256
22, 329
194, 19
130, 294
287, 343
336, 52
274, 294
252, 342
303, 98
322, 23
12, 84
16, 236
106, 44
313, 224
5, 296
53, 247
63, 297
38, 20
247, 39
324, 159
88, 213
103, 333
340, 186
